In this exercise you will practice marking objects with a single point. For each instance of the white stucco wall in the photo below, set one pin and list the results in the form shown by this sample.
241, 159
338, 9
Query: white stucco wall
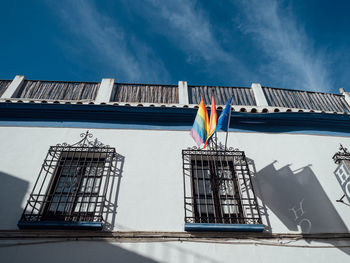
178, 252
289, 169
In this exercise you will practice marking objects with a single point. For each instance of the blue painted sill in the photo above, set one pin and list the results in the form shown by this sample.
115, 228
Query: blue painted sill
224, 227
59, 225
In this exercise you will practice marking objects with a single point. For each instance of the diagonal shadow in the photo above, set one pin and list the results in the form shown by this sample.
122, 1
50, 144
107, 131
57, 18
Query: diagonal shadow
297, 198
69, 251
111, 203
12, 191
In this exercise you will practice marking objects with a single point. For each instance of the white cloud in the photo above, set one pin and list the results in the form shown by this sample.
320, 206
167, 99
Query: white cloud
188, 28
294, 60
122, 53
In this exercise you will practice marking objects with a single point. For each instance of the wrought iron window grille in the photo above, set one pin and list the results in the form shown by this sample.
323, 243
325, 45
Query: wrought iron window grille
218, 187
71, 188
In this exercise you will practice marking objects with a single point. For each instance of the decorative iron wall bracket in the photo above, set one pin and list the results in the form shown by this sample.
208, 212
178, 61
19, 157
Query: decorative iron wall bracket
342, 154
342, 173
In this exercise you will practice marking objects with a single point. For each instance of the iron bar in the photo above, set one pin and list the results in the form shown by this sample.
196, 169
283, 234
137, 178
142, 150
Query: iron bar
230, 199
69, 186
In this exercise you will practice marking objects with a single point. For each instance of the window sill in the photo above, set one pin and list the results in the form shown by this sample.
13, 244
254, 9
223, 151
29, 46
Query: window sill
59, 225
224, 227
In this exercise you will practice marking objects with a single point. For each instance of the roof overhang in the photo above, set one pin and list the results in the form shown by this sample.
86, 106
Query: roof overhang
166, 117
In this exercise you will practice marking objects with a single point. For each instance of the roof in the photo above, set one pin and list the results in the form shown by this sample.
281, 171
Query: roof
160, 95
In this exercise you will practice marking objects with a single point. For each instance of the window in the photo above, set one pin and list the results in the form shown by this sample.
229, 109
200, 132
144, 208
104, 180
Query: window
70, 190
219, 192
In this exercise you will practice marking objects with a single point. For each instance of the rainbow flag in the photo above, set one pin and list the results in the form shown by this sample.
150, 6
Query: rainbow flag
200, 128
213, 121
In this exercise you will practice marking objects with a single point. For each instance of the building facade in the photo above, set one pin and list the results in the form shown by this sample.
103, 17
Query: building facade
108, 172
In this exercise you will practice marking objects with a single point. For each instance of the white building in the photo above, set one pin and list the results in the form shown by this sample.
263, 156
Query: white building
107, 172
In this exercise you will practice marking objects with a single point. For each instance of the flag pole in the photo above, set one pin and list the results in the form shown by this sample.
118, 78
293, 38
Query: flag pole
228, 125
216, 136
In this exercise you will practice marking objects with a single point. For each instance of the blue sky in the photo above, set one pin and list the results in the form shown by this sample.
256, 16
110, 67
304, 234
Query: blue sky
286, 44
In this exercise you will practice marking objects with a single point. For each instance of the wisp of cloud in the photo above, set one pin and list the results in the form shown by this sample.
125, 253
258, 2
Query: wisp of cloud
294, 62
188, 27
123, 54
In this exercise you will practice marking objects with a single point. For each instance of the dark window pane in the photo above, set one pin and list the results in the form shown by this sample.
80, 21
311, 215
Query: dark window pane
219, 185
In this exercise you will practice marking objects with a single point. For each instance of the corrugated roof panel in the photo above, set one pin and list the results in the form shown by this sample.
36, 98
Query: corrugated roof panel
305, 100
58, 90
169, 94
241, 96
342, 103
3, 85
144, 93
